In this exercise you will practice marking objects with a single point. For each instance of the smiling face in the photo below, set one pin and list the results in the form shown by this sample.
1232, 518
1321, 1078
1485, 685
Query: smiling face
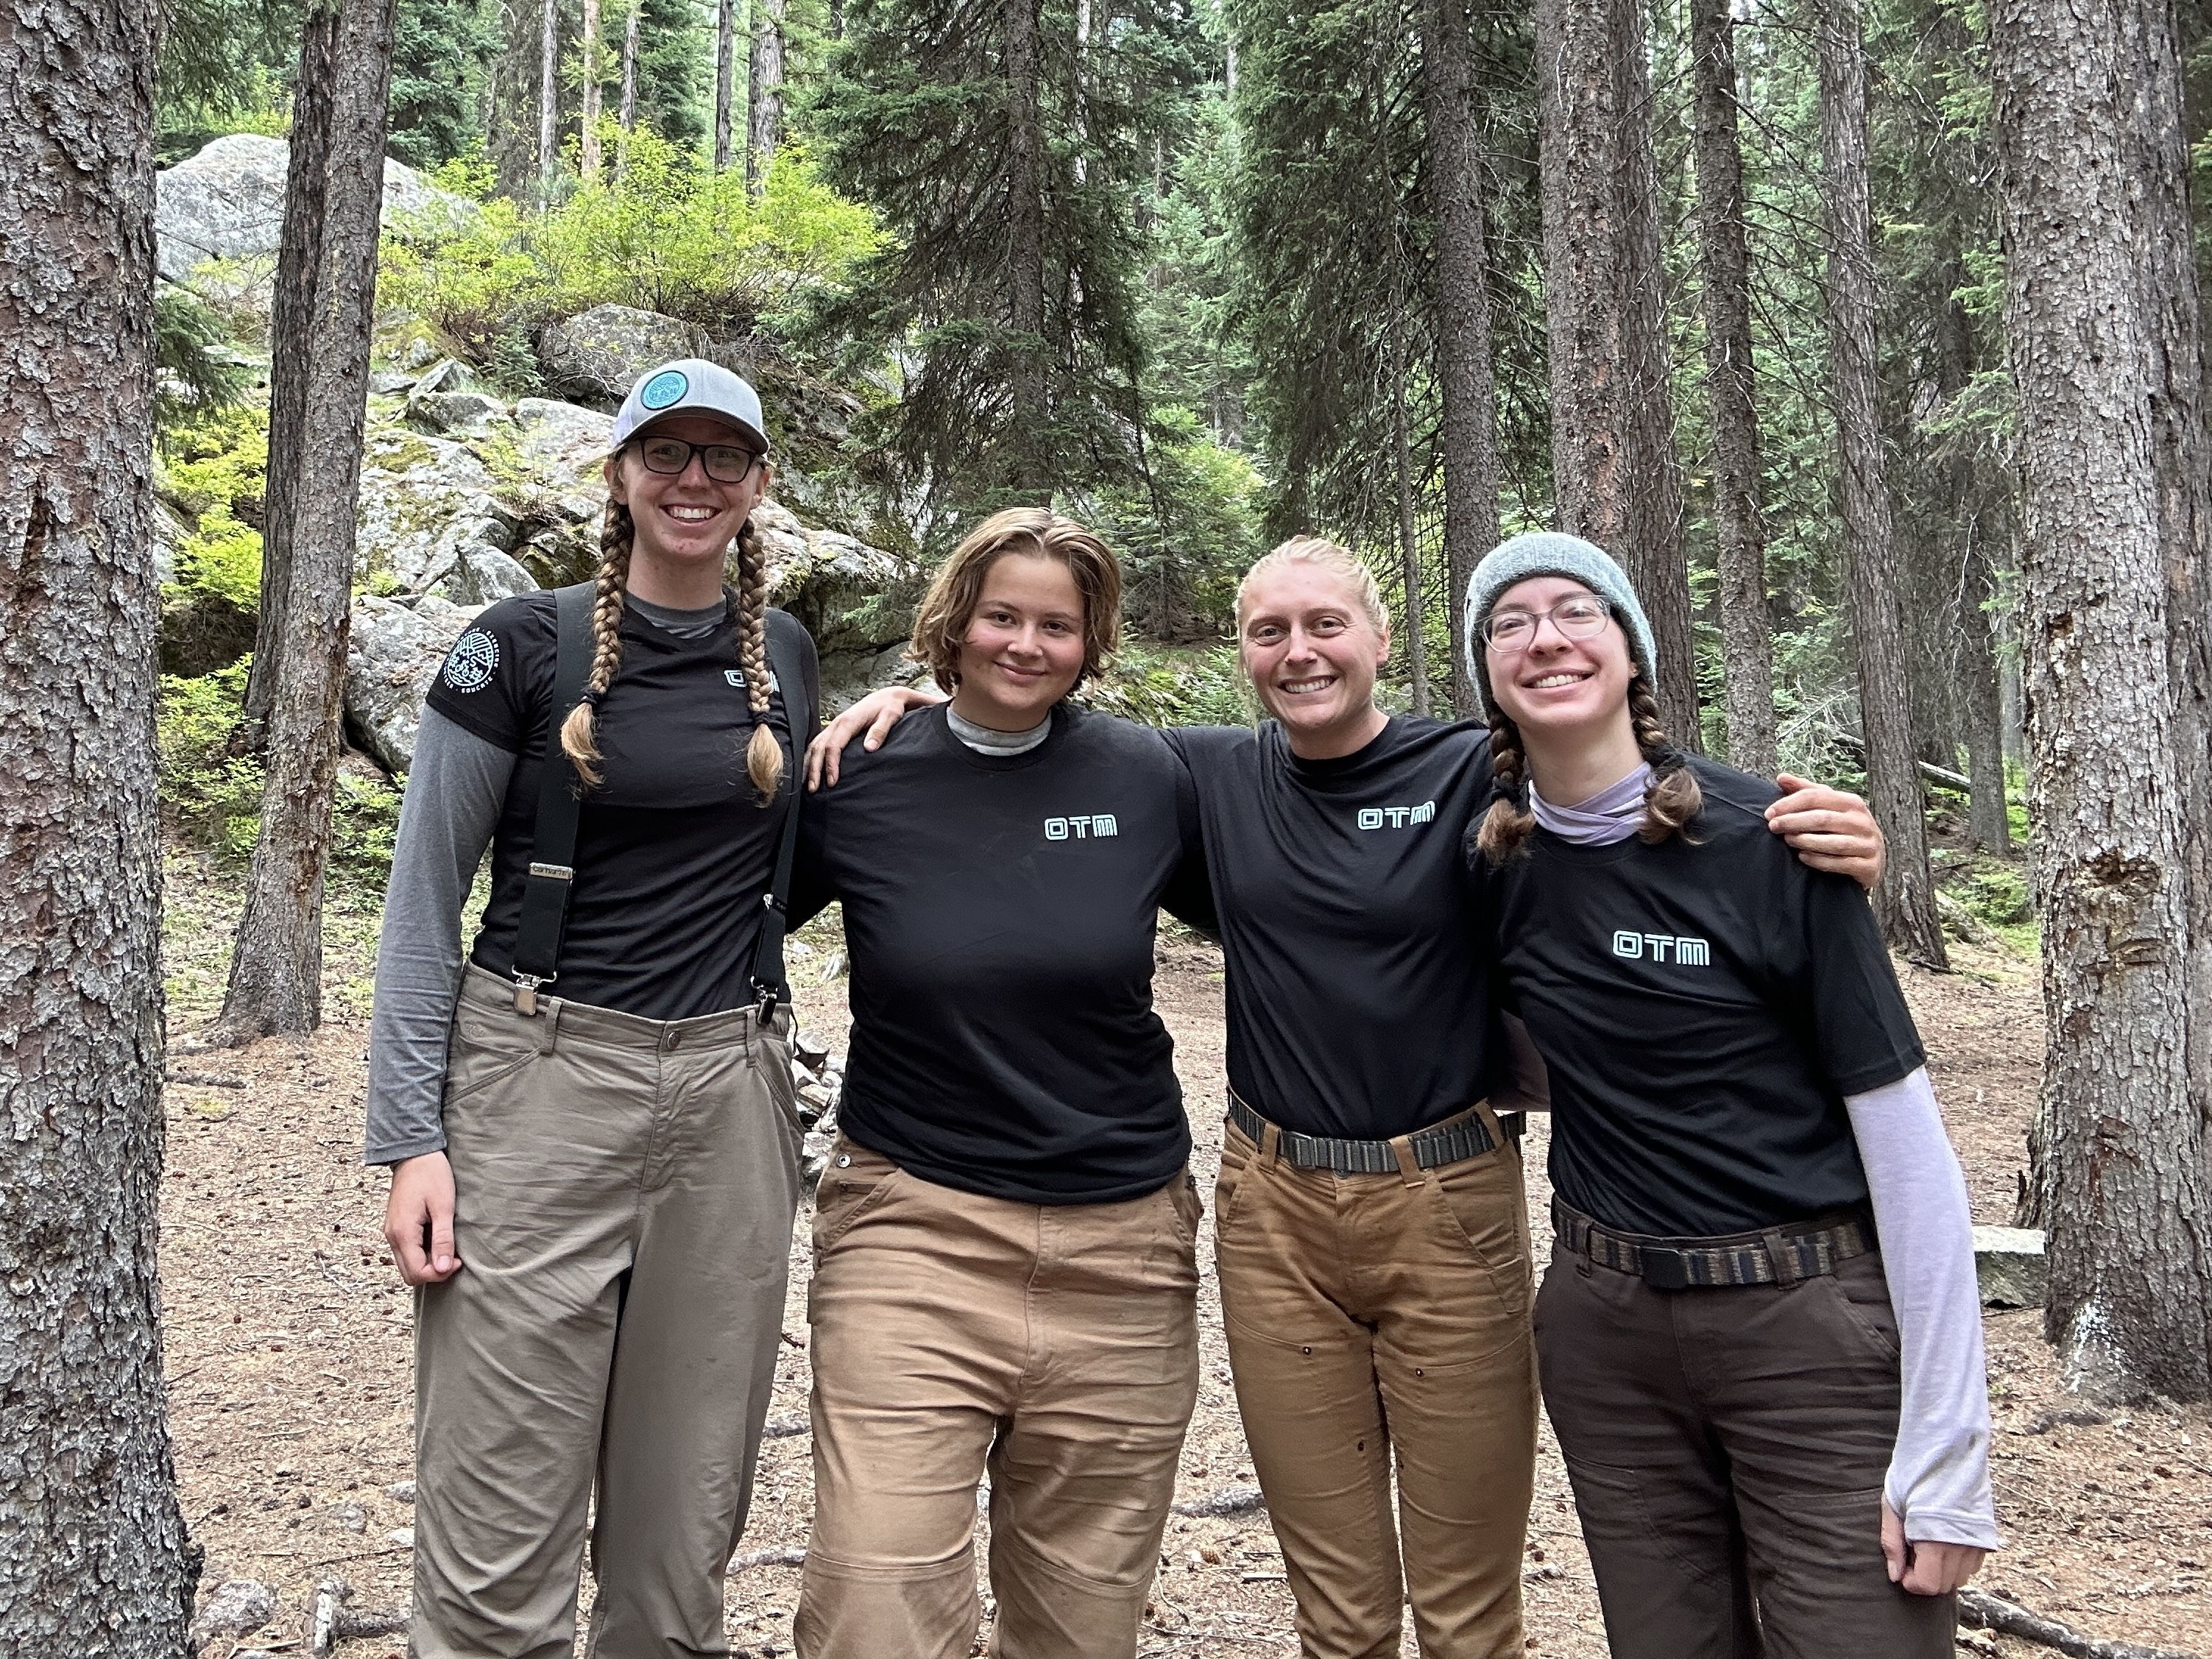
685, 522
1022, 651
1312, 652
1558, 687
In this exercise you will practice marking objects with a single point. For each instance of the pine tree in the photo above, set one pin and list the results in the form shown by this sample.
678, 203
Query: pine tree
439, 57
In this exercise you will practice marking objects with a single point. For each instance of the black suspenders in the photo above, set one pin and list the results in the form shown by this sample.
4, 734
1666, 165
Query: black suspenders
560, 803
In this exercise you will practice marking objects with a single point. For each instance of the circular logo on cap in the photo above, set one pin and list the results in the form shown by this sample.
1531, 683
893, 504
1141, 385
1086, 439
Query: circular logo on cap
475, 658
665, 388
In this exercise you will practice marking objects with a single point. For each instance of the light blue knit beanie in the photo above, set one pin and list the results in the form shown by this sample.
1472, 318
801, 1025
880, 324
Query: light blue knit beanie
1548, 553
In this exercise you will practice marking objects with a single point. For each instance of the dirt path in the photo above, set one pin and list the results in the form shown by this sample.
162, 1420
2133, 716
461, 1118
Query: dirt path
288, 1344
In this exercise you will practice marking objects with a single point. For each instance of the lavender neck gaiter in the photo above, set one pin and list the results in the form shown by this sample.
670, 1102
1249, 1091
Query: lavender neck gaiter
1612, 814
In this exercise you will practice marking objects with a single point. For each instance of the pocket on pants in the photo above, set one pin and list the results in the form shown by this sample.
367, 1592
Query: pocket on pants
854, 1182
1186, 1208
485, 1049
1482, 1205
1858, 1293
1236, 1156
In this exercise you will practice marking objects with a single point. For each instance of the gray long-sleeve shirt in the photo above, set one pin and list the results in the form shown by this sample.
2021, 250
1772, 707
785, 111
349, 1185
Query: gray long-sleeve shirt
418, 959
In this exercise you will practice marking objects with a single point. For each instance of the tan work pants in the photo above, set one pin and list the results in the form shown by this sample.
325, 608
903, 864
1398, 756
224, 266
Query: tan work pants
624, 1190
1374, 1316
1054, 1347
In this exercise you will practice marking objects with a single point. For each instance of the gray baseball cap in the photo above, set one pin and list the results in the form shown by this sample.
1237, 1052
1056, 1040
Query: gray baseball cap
692, 385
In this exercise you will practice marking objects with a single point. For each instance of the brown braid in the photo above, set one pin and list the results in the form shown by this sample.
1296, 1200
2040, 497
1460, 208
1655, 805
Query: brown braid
579, 734
1505, 826
764, 755
1673, 800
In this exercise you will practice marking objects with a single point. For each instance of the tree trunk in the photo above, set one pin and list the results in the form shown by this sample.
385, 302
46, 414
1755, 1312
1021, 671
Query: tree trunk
1907, 899
1614, 471
549, 95
1725, 258
1988, 825
629, 117
587, 152
2102, 316
275, 967
299, 253
1466, 376
512, 102
725, 70
1417, 646
764, 90
94, 1556
1025, 247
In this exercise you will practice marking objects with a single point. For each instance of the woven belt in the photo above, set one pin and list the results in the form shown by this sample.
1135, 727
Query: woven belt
1464, 1138
1779, 1255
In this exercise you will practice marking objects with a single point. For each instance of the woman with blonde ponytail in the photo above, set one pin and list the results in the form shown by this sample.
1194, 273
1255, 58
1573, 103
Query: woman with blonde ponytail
1759, 1336
590, 1124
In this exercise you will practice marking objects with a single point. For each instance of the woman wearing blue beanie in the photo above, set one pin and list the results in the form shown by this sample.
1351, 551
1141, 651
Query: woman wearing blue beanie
1759, 1337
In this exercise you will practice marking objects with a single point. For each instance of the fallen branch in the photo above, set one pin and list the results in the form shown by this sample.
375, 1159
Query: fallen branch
1929, 769
1982, 1610
1229, 1500
786, 1556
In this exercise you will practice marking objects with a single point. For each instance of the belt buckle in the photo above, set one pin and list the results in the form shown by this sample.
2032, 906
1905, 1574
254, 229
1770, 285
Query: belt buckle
1662, 1269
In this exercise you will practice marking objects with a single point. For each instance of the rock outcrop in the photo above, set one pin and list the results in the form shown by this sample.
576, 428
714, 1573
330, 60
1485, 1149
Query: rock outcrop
597, 356
227, 202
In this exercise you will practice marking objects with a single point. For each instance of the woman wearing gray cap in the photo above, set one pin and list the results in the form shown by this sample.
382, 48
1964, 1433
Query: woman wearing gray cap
590, 1123
1759, 1337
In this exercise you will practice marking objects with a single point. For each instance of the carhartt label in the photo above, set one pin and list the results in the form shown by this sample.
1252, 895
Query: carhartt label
1095, 827
1396, 818
1663, 947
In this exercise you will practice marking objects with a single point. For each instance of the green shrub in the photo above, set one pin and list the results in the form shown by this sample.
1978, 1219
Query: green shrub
212, 465
211, 796
1164, 686
669, 234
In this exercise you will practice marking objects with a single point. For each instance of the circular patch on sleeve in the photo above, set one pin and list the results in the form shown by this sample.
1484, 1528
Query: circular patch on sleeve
475, 658
665, 388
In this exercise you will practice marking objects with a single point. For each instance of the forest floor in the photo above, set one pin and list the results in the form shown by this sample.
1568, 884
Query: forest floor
288, 1342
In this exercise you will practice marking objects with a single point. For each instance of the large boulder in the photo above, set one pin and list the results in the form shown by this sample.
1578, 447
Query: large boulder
426, 504
227, 202
395, 651
595, 357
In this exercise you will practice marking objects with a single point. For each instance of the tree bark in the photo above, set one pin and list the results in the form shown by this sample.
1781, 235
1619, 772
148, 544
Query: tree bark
1725, 258
1988, 825
1614, 471
298, 256
2102, 316
1025, 247
725, 70
587, 151
549, 95
1466, 375
275, 967
765, 92
94, 1557
628, 116
1907, 899
1416, 648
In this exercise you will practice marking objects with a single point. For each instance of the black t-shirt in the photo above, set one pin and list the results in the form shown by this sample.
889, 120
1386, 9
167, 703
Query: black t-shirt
1703, 1011
999, 912
673, 850
1358, 1005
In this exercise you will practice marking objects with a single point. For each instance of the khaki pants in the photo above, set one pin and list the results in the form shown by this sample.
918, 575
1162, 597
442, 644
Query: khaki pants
1054, 1347
1374, 1318
624, 1193
1728, 1448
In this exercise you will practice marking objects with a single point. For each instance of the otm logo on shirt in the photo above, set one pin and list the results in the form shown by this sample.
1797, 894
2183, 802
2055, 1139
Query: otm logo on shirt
1096, 827
1396, 818
1686, 951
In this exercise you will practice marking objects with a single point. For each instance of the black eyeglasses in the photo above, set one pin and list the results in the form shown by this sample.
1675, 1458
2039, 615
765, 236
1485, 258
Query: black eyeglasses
724, 463
1578, 616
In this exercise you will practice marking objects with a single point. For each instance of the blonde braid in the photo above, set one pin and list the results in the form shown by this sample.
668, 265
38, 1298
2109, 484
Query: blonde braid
764, 755
1505, 826
579, 732
1673, 801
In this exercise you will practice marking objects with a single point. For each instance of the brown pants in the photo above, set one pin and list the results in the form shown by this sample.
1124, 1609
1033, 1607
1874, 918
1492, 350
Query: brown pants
1728, 1448
1379, 1317
1054, 1347
624, 1190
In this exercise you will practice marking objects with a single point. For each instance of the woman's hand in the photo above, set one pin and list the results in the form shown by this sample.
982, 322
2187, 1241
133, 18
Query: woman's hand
418, 1219
879, 712
1830, 830
1925, 1569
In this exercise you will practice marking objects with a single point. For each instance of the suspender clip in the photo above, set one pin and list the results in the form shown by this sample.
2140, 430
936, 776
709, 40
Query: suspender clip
525, 992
